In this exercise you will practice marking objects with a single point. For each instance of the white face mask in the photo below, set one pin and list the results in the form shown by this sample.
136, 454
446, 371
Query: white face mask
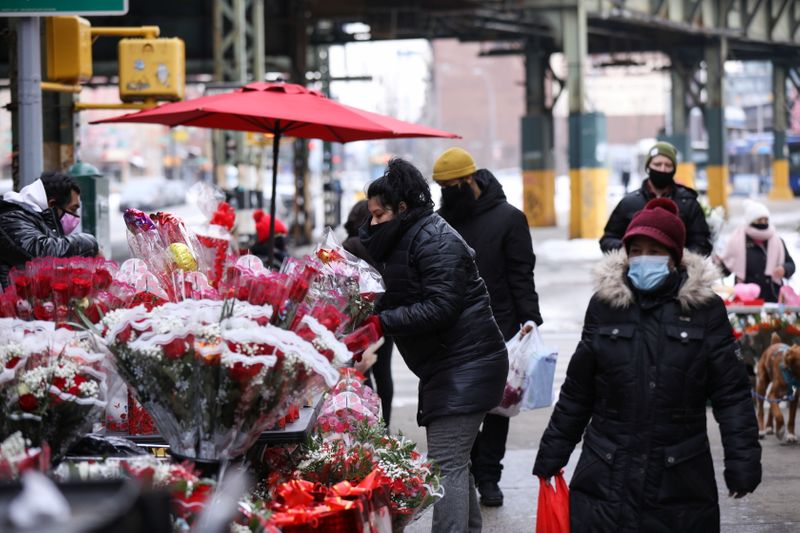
648, 272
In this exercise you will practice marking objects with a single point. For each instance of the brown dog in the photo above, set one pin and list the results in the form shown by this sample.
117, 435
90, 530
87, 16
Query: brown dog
776, 360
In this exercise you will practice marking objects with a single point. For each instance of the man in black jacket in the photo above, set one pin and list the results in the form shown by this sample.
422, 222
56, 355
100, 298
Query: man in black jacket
473, 203
39, 221
660, 168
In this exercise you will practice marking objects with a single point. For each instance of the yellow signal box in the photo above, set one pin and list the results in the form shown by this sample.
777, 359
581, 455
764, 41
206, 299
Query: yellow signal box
151, 69
69, 49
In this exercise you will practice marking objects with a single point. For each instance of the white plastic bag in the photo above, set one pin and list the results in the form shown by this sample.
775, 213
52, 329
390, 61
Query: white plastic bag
540, 374
520, 350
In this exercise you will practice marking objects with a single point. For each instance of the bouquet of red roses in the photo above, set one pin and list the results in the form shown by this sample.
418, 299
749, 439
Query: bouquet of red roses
62, 290
213, 374
52, 387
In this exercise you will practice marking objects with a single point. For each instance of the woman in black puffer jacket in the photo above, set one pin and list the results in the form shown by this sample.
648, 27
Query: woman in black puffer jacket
437, 310
656, 345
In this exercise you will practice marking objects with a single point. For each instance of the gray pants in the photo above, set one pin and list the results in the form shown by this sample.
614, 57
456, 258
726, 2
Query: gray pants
450, 440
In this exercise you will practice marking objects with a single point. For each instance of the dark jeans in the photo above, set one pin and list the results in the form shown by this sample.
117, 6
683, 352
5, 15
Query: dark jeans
489, 449
381, 372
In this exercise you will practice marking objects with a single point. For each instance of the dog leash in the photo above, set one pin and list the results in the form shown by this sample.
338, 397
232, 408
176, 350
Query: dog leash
786, 398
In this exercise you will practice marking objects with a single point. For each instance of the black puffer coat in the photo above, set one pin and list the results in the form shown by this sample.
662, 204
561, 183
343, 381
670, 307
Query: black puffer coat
698, 236
640, 379
436, 308
756, 265
501, 238
25, 234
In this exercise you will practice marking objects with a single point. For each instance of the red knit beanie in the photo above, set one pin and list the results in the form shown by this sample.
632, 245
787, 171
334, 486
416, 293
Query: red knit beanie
262, 225
659, 221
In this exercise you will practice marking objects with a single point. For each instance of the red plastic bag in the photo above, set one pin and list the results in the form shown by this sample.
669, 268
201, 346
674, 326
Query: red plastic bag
552, 515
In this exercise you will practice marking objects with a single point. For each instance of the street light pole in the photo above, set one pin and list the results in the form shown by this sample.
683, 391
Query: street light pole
29, 98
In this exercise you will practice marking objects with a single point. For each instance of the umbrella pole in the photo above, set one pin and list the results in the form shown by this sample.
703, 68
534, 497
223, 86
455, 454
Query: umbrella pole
276, 144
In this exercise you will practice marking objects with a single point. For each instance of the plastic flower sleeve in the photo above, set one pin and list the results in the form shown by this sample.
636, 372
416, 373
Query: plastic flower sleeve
53, 388
213, 385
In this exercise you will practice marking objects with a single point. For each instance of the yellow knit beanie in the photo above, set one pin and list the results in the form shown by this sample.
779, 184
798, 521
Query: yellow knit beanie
453, 164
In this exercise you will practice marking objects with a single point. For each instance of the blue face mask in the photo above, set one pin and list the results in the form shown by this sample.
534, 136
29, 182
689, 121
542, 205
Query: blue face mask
648, 272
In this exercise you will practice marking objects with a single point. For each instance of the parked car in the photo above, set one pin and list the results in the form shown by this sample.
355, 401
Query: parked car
152, 193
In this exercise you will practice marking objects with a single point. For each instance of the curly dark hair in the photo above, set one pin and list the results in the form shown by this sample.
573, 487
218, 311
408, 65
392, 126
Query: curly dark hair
401, 182
59, 187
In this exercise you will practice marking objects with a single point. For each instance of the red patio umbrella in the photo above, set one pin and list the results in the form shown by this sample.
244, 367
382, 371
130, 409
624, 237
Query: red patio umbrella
280, 109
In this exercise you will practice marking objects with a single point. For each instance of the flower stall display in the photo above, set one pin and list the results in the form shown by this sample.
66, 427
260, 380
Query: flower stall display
52, 386
213, 374
411, 480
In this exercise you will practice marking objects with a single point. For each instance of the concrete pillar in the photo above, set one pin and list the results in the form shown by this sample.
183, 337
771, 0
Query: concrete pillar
780, 164
715, 54
538, 166
588, 175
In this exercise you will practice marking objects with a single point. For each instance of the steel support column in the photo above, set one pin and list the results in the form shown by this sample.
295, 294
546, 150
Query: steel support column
780, 164
679, 114
302, 224
538, 166
59, 130
717, 169
238, 27
588, 175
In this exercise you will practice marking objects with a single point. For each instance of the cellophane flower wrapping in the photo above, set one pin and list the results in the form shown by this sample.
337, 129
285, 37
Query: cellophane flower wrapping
63, 290
213, 374
52, 385
354, 279
168, 248
348, 404
412, 481
17, 455
215, 235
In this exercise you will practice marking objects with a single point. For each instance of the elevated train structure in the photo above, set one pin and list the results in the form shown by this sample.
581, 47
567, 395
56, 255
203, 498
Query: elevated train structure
239, 40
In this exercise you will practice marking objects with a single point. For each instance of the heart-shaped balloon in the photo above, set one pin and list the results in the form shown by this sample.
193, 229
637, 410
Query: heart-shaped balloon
746, 291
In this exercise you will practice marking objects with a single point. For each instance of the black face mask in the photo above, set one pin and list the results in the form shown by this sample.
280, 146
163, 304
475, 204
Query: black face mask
380, 239
759, 226
458, 202
661, 180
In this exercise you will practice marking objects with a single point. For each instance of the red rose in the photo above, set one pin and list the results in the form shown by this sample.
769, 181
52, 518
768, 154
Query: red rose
241, 372
11, 363
125, 335
28, 402
102, 278
59, 382
174, 349
81, 286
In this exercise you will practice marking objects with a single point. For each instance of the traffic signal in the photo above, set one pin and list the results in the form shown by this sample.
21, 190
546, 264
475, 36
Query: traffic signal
69, 49
151, 69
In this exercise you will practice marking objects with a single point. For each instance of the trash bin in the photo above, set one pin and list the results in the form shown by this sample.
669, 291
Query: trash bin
94, 203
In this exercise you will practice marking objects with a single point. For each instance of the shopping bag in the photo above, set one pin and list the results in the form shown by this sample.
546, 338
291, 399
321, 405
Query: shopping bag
538, 389
520, 350
552, 515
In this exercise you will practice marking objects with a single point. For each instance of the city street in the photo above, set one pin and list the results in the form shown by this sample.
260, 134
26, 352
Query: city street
564, 289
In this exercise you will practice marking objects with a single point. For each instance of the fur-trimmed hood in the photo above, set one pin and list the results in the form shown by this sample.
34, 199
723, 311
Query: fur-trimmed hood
611, 288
